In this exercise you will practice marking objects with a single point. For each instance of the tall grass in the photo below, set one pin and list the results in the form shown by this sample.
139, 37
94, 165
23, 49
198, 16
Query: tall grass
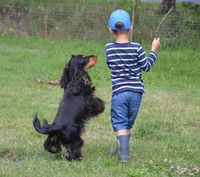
166, 137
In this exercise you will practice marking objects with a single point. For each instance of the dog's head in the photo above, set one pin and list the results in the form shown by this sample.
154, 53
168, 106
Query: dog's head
52, 144
77, 65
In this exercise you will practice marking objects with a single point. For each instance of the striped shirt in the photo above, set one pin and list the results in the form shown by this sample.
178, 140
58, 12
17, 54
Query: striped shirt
126, 61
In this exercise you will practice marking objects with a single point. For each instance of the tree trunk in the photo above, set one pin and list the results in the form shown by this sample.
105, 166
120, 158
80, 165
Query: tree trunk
167, 4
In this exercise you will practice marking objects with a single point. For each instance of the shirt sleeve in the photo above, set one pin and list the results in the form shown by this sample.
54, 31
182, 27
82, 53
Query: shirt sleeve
106, 58
144, 62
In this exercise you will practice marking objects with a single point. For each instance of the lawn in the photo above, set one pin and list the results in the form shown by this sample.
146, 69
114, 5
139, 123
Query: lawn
166, 137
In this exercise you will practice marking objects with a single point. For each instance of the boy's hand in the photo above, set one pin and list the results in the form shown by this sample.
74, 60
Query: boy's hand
155, 45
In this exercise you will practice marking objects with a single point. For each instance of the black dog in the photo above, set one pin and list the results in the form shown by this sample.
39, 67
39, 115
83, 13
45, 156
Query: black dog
77, 106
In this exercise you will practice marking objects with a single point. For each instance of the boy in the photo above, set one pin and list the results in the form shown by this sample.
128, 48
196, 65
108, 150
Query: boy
126, 60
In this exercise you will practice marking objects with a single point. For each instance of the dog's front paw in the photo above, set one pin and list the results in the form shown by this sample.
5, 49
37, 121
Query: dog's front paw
99, 105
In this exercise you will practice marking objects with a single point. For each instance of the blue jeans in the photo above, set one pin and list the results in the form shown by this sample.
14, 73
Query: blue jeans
124, 109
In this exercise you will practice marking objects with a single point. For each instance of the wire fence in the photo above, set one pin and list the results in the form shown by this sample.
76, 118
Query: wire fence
180, 25
62, 21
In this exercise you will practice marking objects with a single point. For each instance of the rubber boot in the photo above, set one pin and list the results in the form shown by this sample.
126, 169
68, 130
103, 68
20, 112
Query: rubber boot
123, 141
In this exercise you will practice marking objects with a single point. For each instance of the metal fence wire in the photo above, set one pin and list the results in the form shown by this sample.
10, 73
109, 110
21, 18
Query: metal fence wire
62, 21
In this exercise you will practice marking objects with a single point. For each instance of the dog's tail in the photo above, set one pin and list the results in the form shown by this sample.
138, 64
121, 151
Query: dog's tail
45, 128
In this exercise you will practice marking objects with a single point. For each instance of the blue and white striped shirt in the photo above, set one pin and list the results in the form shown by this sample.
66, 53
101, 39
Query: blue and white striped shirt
126, 60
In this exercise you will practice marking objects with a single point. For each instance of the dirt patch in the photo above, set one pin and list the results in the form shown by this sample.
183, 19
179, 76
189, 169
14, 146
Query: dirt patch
186, 171
11, 157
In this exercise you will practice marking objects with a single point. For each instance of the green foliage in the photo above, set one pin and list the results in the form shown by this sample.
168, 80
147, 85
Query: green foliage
193, 23
164, 141
87, 20
127, 5
191, 6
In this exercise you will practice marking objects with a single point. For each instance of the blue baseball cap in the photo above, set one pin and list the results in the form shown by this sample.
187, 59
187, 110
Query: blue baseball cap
119, 16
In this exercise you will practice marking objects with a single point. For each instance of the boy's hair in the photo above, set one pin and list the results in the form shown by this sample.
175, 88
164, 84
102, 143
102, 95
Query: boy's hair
119, 25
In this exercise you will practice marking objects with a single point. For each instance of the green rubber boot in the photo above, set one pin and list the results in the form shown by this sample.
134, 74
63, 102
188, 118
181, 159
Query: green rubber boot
123, 147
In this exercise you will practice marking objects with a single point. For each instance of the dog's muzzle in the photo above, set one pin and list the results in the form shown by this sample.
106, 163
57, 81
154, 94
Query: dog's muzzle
92, 62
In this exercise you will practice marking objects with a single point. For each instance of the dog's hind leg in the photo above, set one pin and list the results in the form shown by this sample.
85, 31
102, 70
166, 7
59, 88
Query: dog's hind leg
75, 149
52, 144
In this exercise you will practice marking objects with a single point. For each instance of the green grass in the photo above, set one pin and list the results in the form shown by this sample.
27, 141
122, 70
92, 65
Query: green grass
166, 137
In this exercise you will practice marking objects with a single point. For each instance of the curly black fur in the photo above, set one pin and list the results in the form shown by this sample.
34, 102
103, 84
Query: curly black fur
77, 106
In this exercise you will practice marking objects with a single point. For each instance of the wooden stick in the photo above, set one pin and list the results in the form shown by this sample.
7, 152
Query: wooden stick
50, 82
132, 23
158, 28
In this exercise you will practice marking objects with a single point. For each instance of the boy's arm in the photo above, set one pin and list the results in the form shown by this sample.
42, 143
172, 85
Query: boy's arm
146, 63
106, 59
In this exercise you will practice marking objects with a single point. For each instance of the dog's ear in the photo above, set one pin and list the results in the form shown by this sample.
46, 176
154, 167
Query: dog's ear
70, 70
64, 78
73, 67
